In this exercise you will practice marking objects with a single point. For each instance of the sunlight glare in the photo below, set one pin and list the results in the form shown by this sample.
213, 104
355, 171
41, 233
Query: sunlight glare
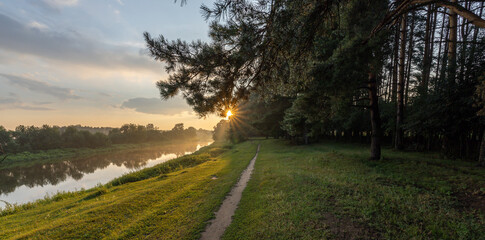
228, 114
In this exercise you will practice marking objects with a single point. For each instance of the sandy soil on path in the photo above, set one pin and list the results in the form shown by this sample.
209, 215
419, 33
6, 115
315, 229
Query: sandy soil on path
217, 226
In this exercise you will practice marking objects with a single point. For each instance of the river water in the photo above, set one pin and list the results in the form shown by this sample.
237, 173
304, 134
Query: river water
26, 184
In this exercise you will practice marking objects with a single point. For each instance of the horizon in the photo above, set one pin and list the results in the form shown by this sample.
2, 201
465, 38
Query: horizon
93, 127
85, 62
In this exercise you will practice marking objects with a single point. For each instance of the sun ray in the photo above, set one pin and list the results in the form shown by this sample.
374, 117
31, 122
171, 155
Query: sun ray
229, 114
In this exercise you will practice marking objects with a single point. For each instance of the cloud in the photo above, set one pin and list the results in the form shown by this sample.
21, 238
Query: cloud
103, 94
14, 103
41, 103
8, 100
70, 47
38, 25
157, 106
54, 6
61, 3
33, 108
40, 87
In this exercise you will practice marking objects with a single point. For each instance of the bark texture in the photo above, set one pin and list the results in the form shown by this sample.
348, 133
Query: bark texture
481, 159
375, 146
400, 86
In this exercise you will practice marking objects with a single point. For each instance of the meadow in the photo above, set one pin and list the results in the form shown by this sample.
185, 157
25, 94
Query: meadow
333, 191
325, 190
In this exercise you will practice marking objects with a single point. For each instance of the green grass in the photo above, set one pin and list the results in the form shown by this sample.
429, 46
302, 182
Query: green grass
172, 202
320, 191
331, 191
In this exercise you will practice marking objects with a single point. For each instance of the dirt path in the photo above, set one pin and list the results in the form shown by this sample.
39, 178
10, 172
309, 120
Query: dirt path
217, 226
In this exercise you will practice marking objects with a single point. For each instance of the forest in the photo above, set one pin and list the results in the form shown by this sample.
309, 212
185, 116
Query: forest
408, 74
31, 138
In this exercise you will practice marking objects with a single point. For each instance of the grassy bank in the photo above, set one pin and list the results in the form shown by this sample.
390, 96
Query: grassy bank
173, 200
53, 155
320, 191
332, 191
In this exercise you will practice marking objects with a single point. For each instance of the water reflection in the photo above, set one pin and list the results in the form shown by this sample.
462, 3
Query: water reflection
25, 184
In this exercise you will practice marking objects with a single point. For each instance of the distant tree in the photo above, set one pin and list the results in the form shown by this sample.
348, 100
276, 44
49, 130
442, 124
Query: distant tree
150, 127
98, 140
265, 115
7, 143
178, 127
221, 131
23, 137
116, 136
5, 137
71, 137
190, 132
301, 120
125, 129
46, 138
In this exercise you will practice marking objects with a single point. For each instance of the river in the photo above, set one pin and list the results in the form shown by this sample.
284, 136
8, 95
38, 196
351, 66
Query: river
26, 184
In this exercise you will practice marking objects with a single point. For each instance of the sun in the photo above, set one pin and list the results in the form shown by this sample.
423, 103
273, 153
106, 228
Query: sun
228, 114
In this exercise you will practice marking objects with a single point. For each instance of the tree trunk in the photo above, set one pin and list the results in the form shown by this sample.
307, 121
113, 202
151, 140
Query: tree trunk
444, 63
464, 38
400, 86
481, 159
394, 70
452, 45
426, 57
443, 19
455, 9
433, 31
375, 118
305, 135
410, 56
449, 137
472, 51
388, 85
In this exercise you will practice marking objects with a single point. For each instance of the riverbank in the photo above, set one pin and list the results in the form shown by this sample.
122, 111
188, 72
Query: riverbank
320, 191
54, 155
172, 200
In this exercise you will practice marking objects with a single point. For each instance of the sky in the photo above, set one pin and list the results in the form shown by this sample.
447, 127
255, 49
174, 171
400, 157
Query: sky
68, 62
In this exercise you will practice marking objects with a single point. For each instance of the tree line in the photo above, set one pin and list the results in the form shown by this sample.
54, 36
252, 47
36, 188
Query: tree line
31, 138
407, 73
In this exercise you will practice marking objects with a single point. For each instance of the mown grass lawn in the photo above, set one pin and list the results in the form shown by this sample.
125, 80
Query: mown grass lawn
331, 191
166, 205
